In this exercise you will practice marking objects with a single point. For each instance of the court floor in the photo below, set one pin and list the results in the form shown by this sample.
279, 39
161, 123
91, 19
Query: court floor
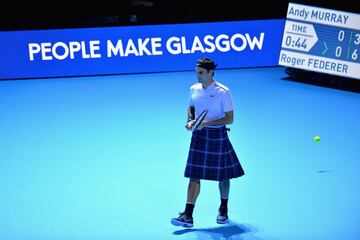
103, 158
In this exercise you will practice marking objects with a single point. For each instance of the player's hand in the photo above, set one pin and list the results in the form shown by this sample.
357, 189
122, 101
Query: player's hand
189, 125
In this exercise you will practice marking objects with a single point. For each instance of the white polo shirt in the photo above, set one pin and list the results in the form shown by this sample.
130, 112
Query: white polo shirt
216, 98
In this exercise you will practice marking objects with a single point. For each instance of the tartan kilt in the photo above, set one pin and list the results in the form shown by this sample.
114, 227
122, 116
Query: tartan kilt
211, 156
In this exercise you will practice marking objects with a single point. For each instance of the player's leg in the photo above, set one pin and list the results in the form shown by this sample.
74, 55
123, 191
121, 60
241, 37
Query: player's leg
193, 191
224, 188
185, 218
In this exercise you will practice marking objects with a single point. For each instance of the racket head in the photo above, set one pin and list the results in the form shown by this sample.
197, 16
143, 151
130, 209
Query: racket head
199, 120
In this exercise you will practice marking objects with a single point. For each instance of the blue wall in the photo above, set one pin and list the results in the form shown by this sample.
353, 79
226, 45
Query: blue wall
138, 49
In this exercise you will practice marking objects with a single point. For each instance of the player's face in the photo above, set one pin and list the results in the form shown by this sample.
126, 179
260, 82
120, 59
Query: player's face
203, 75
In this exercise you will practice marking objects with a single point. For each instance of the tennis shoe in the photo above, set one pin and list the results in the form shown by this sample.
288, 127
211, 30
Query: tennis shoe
222, 216
183, 220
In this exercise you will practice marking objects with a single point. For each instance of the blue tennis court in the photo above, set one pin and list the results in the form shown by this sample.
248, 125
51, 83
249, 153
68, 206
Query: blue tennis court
103, 158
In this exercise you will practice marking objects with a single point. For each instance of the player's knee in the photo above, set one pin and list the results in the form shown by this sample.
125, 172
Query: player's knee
225, 181
194, 180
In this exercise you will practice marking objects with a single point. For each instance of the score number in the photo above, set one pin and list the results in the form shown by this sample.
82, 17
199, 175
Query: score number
339, 49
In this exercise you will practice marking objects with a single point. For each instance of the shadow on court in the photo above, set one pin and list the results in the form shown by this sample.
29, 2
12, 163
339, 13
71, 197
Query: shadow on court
231, 230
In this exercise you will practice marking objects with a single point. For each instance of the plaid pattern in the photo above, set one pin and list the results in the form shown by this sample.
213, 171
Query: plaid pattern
211, 156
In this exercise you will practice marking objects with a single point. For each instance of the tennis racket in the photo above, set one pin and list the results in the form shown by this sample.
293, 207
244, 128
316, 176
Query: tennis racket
199, 120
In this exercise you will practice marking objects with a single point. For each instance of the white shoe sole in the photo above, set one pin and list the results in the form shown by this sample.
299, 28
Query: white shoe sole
179, 223
222, 222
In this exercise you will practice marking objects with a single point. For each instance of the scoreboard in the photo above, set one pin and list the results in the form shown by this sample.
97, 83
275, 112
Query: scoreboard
321, 40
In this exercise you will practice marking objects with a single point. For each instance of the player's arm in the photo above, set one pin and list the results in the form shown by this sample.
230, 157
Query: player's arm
191, 113
191, 117
228, 119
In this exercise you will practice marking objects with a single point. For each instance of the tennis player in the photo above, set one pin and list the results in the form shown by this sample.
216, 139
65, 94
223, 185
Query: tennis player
211, 155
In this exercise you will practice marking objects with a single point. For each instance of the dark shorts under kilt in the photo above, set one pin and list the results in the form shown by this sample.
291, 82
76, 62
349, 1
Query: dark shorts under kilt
211, 156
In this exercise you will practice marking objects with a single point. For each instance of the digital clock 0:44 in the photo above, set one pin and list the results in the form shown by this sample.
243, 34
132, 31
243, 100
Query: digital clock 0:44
297, 42
299, 36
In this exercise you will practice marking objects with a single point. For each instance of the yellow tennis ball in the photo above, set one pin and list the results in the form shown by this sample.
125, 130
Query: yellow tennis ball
317, 139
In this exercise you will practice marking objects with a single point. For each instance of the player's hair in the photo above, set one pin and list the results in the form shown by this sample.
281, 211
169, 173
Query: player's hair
206, 63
